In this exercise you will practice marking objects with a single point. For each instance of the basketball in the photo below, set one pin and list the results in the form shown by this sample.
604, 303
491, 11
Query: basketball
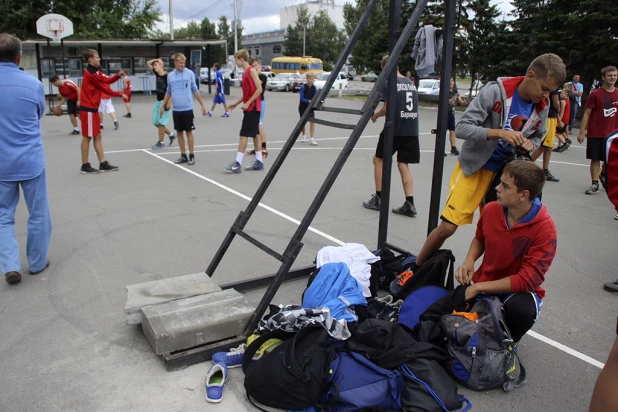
58, 111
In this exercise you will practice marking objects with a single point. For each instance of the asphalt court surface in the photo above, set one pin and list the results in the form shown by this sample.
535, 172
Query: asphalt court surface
64, 343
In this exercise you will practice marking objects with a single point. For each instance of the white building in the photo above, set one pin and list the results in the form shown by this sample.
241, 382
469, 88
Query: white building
287, 15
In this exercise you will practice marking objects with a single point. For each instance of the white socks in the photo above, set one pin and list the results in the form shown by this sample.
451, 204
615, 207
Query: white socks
258, 155
239, 157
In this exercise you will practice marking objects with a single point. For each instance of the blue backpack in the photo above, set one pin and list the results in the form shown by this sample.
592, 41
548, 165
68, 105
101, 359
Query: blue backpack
356, 383
417, 302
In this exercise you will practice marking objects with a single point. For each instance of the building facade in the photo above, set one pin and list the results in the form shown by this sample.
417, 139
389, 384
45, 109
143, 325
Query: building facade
287, 15
265, 46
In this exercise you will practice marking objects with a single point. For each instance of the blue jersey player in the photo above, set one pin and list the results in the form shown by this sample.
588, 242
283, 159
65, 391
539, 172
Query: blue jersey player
219, 97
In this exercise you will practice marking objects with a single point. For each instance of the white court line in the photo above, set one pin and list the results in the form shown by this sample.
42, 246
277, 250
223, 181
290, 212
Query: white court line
533, 334
270, 209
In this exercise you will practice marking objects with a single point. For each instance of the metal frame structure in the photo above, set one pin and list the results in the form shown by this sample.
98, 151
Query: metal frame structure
397, 41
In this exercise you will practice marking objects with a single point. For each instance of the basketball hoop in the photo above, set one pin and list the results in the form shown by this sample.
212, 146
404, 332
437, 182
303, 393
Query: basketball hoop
54, 26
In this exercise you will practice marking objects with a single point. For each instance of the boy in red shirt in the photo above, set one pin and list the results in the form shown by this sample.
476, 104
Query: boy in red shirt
252, 106
517, 238
93, 84
126, 89
68, 91
601, 117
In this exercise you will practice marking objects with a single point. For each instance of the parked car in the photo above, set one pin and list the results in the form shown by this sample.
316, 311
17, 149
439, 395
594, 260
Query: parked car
476, 88
369, 77
279, 82
203, 75
340, 82
292, 79
297, 83
350, 71
429, 90
269, 75
266, 68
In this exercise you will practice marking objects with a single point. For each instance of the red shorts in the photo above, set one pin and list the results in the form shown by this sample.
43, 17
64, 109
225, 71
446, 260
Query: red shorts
128, 99
91, 123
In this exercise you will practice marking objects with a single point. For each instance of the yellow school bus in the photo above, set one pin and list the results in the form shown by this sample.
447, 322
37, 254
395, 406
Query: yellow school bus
290, 64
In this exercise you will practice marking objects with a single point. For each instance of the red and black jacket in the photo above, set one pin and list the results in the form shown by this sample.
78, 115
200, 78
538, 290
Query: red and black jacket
93, 83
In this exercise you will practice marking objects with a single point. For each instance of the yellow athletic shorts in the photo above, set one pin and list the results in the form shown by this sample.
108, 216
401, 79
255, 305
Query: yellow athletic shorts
466, 195
550, 137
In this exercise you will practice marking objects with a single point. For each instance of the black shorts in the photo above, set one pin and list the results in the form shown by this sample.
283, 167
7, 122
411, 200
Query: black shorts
250, 124
301, 110
183, 121
407, 148
451, 119
72, 107
595, 149
562, 129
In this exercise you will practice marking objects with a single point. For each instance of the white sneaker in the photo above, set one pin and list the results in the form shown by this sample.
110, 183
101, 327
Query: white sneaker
312, 142
303, 139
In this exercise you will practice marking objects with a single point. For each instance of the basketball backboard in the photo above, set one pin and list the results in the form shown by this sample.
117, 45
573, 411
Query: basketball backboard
54, 26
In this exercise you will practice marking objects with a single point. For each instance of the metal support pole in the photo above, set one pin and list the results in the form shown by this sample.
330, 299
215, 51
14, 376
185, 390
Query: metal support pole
171, 21
389, 124
445, 73
208, 66
37, 52
64, 64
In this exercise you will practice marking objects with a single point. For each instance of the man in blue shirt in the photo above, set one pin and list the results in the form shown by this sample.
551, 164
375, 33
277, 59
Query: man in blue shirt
220, 96
23, 164
578, 91
180, 87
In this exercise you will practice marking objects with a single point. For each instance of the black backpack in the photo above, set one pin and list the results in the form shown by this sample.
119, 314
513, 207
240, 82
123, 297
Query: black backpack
438, 270
383, 271
294, 374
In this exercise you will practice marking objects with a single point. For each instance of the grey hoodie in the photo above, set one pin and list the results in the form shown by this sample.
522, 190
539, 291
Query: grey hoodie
489, 110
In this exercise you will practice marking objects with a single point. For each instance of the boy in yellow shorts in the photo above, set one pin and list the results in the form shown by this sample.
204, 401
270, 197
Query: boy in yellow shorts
549, 139
506, 114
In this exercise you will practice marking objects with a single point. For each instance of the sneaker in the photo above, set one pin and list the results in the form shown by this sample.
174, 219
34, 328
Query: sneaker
74, 132
550, 177
603, 180
455, 151
40, 271
233, 167
215, 378
106, 167
12, 278
257, 165
558, 149
251, 152
182, 159
172, 138
191, 161
115, 125
264, 153
373, 203
616, 217
158, 145
209, 114
611, 287
101, 127
128, 116
303, 139
388, 299
86, 168
226, 114
408, 209
593, 189
233, 358
312, 142
399, 282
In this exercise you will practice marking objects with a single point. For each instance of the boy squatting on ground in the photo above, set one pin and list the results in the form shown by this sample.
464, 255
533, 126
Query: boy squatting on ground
252, 105
405, 142
94, 83
68, 92
517, 238
180, 86
160, 122
507, 113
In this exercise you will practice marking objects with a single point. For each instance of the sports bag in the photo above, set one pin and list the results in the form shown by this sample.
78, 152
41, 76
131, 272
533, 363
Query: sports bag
294, 374
384, 271
438, 270
356, 383
482, 354
417, 302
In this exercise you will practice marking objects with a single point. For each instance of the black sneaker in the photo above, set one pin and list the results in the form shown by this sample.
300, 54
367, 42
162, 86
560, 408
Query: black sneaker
115, 125
191, 161
101, 127
106, 167
603, 180
408, 209
373, 203
455, 151
87, 169
128, 115
172, 138
593, 189
182, 159
611, 287
550, 177
74, 132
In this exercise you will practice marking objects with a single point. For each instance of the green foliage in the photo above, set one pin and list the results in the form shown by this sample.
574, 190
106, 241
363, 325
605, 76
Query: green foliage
322, 39
192, 30
481, 34
92, 19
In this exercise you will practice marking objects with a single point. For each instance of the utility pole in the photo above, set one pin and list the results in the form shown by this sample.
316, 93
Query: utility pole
171, 21
304, 37
236, 25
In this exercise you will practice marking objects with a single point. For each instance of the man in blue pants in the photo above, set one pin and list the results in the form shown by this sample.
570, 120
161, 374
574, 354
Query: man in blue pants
22, 164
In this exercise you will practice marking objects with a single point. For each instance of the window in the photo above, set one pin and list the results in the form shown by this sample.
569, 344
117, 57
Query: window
249, 50
257, 51
48, 67
315, 66
139, 65
277, 49
75, 68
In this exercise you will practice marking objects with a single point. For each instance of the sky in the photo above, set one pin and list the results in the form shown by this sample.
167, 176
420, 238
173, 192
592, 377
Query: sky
257, 15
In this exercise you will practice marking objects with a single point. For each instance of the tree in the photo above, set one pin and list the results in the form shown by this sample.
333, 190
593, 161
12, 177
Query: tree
293, 43
94, 19
326, 41
226, 32
481, 34
372, 42
191, 30
208, 30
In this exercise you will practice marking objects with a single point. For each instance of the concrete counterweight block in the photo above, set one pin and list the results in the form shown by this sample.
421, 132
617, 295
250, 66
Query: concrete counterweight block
186, 323
165, 290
